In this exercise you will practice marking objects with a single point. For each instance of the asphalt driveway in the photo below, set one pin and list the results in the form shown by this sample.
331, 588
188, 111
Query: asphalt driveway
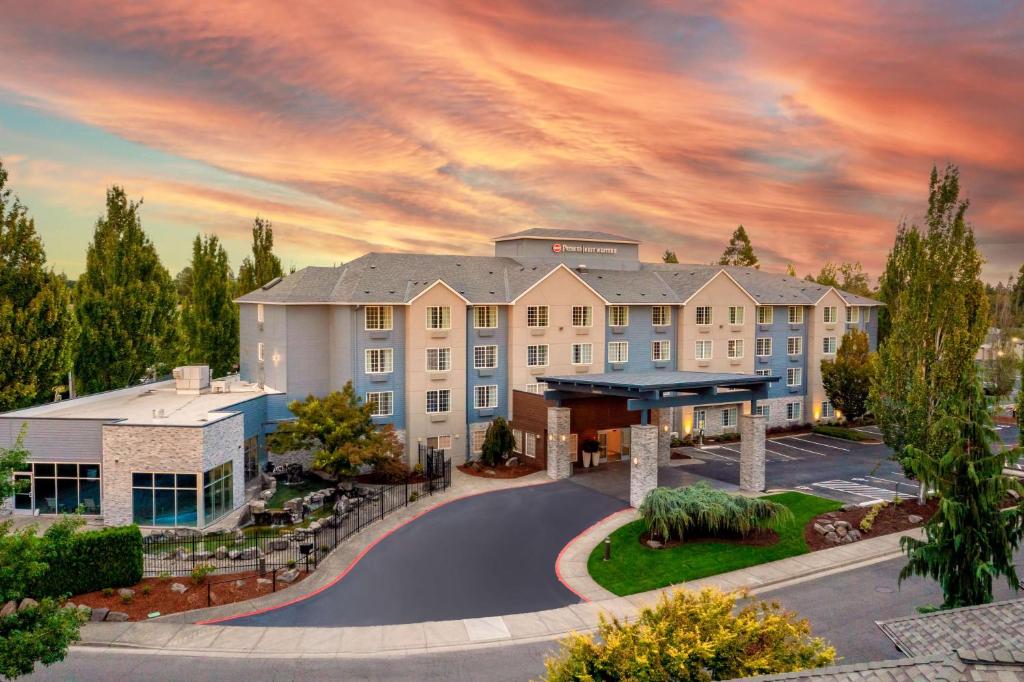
487, 555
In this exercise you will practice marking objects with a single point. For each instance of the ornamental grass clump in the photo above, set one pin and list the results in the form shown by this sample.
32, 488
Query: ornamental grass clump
700, 510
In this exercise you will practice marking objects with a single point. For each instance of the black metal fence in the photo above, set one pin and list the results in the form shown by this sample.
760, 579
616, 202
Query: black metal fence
178, 552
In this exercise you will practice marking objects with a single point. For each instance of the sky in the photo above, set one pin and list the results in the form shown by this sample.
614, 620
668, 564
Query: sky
434, 125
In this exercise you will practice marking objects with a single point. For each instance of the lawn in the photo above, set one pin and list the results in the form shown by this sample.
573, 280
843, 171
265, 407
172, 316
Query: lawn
637, 568
844, 433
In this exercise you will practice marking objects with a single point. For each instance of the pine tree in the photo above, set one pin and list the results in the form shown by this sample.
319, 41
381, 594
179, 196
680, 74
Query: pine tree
669, 257
264, 265
739, 251
209, 318
38, 330
126, 303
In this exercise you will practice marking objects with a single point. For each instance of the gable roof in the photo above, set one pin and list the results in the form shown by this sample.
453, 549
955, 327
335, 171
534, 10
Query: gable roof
568, 235
557, 268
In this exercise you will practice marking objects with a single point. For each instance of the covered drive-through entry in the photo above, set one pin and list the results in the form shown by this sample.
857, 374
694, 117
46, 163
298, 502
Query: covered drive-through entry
650, 396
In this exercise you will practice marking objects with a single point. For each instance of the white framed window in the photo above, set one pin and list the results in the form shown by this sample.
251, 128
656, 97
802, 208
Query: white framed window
765, 314
529, 444
379, 360
827, 411
485, 317
582, 316
618, 351
260, 350
378, 318
439, 317
867, 315
703, 349
259, 313
796, 314
477, 437
794, 411
537, 355
763, 411
763, 372
828, 345
729, 417
439, 442
794, 376
485, 397
582, 353
852, 314
536, 316
618, 315
735, 349
661, 350
828, 314
795, 345
661, 315
763, 347
703, 315
517, 436
700, 420
383, 403
736, 314
537, 388
439, 359
439, 401
485, 357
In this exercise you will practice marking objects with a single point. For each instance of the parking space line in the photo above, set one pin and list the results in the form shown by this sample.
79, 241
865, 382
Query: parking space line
873, 494
797, 447
889, 480
791, 458
706, 452
814, 442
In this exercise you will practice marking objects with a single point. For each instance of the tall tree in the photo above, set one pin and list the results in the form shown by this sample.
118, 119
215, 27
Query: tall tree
846, 276
939, 315
125, 300
669, 257
847, 379
38, 330
739, 251
209, 318
264, 265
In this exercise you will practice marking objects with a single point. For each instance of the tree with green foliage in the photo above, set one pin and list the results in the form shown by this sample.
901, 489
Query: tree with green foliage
739, 251
938, 312
209, 317
126, 303
183, 282
790, 270
1001, 370
38, 329
847, 379
499, 441
669, 257
848, 277
264, 265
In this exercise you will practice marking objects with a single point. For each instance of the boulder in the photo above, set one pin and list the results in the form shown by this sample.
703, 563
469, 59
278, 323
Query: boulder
829, 528
819, 529
855, 534
221, 552
180, 588
99, 614
234, 554
239, 536
831, 536
266, 495
202, 556
85, 611
841, 531
845, 540
126, 593
654, 544
117, 617
69, 605
314, 527
249, 553
8, 608
277, 544
264, 581
257, 506
842, 524
512, 462
914, 518
289, 576
850, 507
1014, 494
27, 603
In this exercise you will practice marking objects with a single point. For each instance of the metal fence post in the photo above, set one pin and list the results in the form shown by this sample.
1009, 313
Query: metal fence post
193, 552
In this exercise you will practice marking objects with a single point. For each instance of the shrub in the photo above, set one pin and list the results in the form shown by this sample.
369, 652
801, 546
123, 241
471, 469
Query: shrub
499, 442
391, 470
701, 510
841, 432
869, 519
676, 442
108, 592
88, 561
693, 636
201, 572
146, 589
127, 598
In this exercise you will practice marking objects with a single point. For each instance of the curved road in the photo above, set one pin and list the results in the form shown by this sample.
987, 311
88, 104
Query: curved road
486, 555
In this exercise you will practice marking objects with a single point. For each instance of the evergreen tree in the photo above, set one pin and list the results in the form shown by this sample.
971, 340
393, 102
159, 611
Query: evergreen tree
209, 317
790, 270
847, 379
939, 316
739, 251
38, 330
264, 265
126, 303
669, 257
499, 442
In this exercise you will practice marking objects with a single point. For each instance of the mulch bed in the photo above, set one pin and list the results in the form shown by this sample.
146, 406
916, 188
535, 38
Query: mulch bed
481, 471
892, 519
680, 455
759, 538
162, 599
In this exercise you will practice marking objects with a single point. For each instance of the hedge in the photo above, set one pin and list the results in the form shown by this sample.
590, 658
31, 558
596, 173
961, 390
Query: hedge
90, 561
842, 432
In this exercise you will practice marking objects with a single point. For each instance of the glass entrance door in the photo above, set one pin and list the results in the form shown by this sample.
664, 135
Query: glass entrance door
23, 498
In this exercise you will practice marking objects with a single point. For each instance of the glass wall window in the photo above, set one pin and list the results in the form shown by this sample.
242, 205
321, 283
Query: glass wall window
60, 488
252, 457
218, 491
164, 499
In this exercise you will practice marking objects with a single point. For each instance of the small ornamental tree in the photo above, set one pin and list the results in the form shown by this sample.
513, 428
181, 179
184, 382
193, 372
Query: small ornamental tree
693, 636
847, 379
498, 443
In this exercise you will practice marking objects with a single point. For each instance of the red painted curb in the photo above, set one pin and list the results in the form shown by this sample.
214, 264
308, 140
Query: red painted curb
558, 561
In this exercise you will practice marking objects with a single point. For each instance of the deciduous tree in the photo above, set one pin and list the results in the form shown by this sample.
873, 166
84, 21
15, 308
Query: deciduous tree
847, 379
209, 318
264, 265
669, 257
739, 251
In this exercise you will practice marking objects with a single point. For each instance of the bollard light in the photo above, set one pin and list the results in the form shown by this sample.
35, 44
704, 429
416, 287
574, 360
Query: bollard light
608, 548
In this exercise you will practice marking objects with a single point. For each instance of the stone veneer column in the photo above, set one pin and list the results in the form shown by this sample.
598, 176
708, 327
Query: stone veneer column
559, 464
643, 462
752, 430
663, 419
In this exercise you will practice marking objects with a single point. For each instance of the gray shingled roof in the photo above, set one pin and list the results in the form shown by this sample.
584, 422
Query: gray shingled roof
948, 668
568, 235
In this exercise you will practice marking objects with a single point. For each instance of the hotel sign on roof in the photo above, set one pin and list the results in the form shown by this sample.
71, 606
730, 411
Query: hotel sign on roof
580, 248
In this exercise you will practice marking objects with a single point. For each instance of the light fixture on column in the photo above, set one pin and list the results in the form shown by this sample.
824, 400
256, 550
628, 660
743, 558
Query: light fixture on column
664, 427
562, 438
636, 460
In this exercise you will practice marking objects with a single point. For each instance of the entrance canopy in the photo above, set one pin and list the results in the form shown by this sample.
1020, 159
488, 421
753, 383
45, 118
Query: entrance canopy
652, 390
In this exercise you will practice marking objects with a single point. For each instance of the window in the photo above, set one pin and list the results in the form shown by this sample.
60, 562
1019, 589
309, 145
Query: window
477, 437
164, 499
537, 316
517, 437
827, 411
763, 348
763, 372
828, 314
828, 345
380, 360
852, 314
794, 376
794, 411
537, 388
763, 411
59, 488
485, 357
661, 315
382, 401
703, 314
795, 345
796, 314
618, 351
485, 317
729, 416
700, 420
736, 313
218, 491
867, 315
530, 445
618, 315
765, 314
439, 442
537, 356
439, 401
735, 349
582, 316
260, 351
661, 350
259, 313
378, 317
582, 353
439, 359
703, 350
485, 397
439, 317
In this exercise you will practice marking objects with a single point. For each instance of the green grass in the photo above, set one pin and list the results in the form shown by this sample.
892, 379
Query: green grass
285, 492
843, 432
637, 568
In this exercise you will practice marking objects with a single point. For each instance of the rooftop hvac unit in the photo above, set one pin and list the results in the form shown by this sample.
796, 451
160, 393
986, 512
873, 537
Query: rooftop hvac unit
191, 378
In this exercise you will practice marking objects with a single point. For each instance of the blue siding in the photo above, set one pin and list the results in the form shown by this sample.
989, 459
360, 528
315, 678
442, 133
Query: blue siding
870, 327
779, 332
639, 333
394, 382
498, 337
277, 408
254, 413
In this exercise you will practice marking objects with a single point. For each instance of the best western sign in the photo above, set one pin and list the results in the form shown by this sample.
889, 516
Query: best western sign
580, 248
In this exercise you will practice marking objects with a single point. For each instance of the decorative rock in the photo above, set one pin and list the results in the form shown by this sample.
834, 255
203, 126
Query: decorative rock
99, 614
249, 553
27, 603
266, 495
1014, 494
264, 581
829, 528
654, 544
277, 544
69, 605
289, 576
842, 524
126, 593
202, 556
850, 507
221, 553
117, 617
845, 540
512, 462
257, 506
234, 554
820, 529
831, 536
8, 608
855, 534
179, 588
85, 610
239, 583
914, 518
841, 531
239, 536
490, 472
